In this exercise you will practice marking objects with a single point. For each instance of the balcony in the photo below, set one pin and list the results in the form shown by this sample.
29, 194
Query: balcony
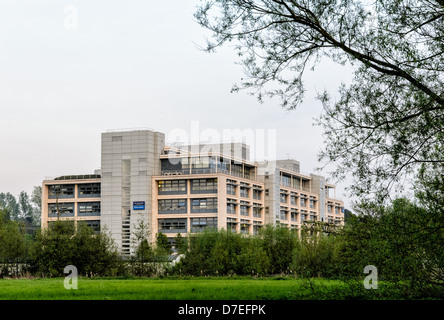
205, 171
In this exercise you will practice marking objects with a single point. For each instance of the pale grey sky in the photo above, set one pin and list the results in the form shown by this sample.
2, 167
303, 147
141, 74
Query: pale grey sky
128, 64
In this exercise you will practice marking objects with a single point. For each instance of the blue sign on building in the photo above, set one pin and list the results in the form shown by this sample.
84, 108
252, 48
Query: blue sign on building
138, 205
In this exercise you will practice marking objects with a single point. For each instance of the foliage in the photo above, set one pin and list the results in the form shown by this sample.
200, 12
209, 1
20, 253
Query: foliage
316, 255
181, 244
279, 244
163, 247
9, 204
24, 208
389, 119
61, 245
226, 253
144, 251
397, 240
13, 246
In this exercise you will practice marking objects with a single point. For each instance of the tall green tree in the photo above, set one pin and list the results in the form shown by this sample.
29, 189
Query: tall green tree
163, 247
144, 251
180, 243
26, 210
9, 203
13, 246
36, 201
384, 124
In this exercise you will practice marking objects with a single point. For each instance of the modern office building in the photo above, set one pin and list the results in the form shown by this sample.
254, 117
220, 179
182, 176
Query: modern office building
186, 189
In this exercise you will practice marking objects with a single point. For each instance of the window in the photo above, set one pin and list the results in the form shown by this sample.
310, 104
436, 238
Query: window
293, 200
231, 190
88, 209
61, 191
231, 208
257, 194
204, 185
64, 209
199, 224
283, 198
312, 204
244, 192
172, 187
116, 138
303, 202
296, 181
172, 206
89, 190
286, 180
244, 210
256, 227
284, 214
172, 225
294, 216
205, 205
244, 226
257, 212
231, 224
200, 162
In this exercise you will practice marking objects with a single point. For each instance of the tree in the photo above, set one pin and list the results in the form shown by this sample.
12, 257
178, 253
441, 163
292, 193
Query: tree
279, 244
162, 245
180, 244
143, 250
13, 246
9, 203
62, 244
36, 201
389, 119
404, 240
26, 210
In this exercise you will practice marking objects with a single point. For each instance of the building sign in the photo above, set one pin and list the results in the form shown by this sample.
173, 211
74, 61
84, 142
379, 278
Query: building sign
138, 205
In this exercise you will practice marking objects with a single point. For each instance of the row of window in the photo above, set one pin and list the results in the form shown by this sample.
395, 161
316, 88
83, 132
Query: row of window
180, 225
244, 191
94, 224
244, 209
302, 201
295, 182
66, 191
201, 205
205, 186
180, 186
200, 224
336, 209
84, 209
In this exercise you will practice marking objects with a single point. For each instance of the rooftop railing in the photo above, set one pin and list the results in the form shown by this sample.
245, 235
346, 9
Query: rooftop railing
206, 171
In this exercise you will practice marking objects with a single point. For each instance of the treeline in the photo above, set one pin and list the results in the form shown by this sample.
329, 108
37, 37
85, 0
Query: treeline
25, 208
275, 251
404, 241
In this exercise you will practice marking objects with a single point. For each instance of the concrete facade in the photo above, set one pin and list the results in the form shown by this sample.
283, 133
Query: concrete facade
129, 160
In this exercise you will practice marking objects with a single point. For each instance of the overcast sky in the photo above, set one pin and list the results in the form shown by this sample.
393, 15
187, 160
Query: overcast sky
126, 64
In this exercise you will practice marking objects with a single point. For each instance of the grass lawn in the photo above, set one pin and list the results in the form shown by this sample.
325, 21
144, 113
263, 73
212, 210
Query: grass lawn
165, 289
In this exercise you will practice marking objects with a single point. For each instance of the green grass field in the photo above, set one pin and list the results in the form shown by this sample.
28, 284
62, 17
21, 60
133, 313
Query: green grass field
166, 289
